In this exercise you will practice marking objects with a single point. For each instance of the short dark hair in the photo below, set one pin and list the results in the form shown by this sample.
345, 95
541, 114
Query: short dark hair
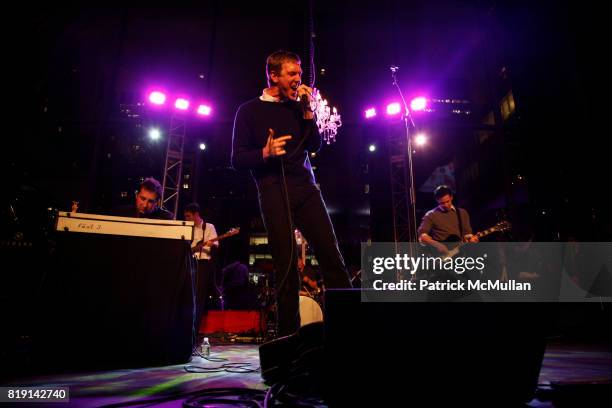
193, 208
443, 190
150, 184
311, 272
275, 61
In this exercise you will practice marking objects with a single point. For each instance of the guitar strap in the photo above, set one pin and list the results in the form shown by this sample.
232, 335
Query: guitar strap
458, 211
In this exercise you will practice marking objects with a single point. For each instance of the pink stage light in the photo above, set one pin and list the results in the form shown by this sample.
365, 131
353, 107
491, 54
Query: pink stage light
157, 98
370, 113
393, 108
418, 104
181, 104
204, 110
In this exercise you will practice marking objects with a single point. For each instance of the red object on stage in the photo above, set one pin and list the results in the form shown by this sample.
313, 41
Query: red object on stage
231, 321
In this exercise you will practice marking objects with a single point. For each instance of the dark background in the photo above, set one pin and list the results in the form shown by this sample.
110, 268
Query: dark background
75, 74
74, 77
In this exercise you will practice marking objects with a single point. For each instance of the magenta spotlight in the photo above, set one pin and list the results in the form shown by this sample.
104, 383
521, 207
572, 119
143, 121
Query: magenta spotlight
420, 139
157, 98
181, 104
418, 104
370, 113
393, 108
204, 110
372, 148
202, 146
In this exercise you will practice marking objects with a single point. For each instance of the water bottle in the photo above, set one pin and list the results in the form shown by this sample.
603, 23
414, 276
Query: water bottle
205, 348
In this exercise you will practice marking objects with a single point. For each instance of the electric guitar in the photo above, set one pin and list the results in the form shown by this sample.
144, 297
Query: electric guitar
201, 244
454, 243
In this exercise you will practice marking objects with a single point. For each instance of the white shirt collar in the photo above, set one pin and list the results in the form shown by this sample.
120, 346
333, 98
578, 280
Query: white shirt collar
266, 97
444, 210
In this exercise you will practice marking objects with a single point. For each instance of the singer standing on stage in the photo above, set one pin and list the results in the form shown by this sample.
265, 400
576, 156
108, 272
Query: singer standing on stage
273, 135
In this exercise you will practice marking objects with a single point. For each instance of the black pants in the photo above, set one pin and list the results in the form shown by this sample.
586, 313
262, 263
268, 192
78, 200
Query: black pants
308, 213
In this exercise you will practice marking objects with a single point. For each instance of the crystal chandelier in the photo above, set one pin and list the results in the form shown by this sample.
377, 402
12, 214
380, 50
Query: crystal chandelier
328, 118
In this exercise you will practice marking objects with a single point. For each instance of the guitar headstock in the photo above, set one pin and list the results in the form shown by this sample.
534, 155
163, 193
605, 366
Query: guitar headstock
232, 231
503, 226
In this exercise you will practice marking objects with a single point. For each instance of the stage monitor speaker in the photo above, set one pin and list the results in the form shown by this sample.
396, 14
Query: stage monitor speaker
477, 354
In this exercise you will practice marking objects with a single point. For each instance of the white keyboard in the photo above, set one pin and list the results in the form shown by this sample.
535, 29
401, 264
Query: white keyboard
125, 226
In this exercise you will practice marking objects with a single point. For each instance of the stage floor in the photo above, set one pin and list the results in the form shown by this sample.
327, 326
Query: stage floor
562, 362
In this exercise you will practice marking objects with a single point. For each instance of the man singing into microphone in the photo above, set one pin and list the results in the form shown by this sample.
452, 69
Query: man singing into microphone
273, 135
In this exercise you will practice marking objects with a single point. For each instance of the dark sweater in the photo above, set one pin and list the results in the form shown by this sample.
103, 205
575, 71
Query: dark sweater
251, 125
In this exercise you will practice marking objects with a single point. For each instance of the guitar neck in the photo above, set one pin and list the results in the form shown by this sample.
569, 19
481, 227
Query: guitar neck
486, 232
220, 237
480, 234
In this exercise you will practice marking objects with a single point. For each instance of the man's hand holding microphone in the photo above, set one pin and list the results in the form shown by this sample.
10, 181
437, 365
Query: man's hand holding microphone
305, 97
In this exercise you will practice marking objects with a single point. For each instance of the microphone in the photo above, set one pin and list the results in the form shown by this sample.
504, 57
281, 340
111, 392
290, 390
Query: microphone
305, 102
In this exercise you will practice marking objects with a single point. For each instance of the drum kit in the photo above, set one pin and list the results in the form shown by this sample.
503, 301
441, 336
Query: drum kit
309, 299
257, 292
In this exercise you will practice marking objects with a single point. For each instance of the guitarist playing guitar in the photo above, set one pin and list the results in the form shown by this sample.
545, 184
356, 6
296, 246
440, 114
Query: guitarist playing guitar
445, 229
202, 233
445, 221
204, 245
